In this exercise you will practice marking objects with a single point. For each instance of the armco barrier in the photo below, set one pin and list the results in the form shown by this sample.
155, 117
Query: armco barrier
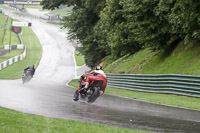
12, 60
188, 85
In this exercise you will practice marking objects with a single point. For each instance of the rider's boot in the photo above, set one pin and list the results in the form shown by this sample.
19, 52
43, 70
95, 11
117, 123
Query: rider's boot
101, 92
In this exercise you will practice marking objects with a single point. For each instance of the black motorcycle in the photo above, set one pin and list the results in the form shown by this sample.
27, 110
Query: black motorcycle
26, 76
90, 94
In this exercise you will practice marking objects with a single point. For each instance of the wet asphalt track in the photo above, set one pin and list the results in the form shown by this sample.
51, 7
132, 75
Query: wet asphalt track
48, 95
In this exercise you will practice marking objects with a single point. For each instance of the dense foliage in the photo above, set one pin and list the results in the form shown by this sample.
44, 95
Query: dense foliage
119, 27
81, 24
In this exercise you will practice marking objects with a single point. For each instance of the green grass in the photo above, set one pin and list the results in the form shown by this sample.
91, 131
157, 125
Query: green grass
13, 53
184, 59
16, 20
14, 37
34, 54
74, 83
2, 24
62, 12
2, 60
30, 6
80, 60
17, 122
174, 100
4, 7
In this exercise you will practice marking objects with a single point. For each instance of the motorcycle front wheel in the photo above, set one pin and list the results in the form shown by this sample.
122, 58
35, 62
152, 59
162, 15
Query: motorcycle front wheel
94, 94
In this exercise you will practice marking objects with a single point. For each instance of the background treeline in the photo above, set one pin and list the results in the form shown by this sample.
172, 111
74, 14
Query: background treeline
119, 27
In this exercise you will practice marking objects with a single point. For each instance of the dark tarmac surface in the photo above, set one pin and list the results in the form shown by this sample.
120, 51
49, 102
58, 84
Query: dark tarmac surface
55, 100
46, 94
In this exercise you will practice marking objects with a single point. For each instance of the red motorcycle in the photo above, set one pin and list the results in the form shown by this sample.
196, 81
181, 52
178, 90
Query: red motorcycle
89, 93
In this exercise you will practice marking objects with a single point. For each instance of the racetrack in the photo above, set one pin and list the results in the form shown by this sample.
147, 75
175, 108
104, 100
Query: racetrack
46, 94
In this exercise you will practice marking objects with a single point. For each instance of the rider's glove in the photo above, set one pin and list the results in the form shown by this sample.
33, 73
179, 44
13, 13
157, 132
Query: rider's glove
86, 85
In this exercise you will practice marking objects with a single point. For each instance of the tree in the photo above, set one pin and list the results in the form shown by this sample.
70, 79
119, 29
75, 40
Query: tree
185, 19
120, 27
52, 4
147, 22
114, 27
81, 23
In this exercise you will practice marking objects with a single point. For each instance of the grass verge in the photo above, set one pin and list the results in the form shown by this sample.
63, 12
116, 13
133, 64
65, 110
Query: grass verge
30, 6
14, 37
13, 53
2, 60
34, 54
4, 7
174, 100
184, 59
13, 122
62, 12
80, 60
2, 24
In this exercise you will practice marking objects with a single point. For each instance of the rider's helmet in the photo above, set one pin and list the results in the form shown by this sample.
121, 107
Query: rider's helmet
99, 68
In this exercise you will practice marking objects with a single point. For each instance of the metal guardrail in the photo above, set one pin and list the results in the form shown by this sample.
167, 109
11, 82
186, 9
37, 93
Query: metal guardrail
187, 85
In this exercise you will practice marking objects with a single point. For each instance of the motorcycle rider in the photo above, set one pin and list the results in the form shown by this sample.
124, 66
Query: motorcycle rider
31, 69
95, 75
